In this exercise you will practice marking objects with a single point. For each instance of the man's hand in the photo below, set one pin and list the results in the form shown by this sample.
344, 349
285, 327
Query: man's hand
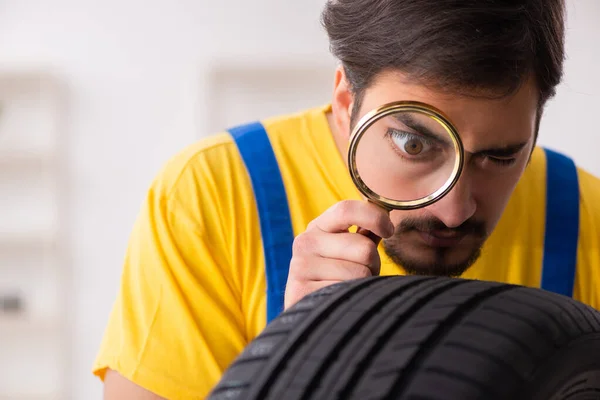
327, 253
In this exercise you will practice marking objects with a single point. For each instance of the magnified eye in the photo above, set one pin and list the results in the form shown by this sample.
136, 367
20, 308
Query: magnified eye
409, 143
413, 146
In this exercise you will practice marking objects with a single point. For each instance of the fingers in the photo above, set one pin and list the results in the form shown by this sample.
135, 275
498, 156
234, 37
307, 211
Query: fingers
350, 247
343, 215
327, 253
329, 270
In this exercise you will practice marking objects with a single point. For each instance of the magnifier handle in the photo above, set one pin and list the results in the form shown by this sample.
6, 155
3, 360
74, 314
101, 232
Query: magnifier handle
365, 232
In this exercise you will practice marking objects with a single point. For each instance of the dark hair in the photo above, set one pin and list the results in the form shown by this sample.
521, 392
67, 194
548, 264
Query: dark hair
491, 46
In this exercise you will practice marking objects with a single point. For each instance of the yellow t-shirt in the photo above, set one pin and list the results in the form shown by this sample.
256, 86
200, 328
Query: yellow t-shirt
192, 293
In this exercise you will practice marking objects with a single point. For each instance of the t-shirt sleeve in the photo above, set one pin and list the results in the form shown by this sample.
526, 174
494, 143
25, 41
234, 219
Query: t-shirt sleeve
177, 321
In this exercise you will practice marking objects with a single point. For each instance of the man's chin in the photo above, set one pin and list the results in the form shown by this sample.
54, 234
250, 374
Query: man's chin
442, 261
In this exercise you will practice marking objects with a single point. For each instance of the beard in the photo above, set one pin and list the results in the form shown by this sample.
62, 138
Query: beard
408, 251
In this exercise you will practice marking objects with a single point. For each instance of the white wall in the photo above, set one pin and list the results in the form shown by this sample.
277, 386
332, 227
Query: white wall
134, 71
570, 122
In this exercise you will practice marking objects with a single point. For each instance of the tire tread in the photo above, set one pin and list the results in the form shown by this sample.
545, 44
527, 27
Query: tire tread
394, 337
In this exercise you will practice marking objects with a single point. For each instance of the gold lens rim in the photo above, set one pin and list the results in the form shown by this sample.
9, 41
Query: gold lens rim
404, 106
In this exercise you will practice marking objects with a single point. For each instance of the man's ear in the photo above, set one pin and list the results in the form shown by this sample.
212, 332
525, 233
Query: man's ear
342, 102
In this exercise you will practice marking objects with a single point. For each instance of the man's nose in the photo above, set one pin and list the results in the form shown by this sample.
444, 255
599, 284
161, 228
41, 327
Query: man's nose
457, 206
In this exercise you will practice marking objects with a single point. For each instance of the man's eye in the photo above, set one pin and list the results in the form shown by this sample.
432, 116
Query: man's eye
410, 144
502, 161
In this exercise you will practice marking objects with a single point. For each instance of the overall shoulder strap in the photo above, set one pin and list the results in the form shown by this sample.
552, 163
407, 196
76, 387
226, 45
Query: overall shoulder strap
562, 224
272, 203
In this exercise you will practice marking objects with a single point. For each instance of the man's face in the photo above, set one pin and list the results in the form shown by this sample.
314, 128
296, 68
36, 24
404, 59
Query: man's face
445, 238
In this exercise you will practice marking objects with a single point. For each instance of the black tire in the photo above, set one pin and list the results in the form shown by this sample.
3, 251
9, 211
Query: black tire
422, 338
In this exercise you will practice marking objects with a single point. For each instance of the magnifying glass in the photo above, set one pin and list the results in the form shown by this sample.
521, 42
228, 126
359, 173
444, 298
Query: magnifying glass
403, 156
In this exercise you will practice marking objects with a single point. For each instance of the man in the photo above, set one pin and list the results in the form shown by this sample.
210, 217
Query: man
194, 281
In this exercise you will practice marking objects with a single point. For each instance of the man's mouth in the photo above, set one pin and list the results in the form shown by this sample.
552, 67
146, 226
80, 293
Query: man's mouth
440, 238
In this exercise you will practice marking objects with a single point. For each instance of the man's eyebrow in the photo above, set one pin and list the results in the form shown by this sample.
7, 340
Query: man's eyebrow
499, 151
503, 151
420, 128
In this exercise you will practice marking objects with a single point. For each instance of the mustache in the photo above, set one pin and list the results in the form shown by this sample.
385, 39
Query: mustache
471, 226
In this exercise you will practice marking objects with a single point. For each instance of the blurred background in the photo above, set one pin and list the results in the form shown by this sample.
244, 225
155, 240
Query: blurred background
95, 96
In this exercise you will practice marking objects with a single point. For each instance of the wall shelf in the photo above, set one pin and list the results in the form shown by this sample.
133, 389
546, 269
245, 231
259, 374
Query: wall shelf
32, 272
20, 241
20, 158
39, 396
16, 326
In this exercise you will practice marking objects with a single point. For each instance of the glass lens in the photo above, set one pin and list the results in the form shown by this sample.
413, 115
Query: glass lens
406, 156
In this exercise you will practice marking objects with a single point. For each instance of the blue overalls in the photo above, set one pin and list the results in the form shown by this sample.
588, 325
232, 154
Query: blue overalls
561, 232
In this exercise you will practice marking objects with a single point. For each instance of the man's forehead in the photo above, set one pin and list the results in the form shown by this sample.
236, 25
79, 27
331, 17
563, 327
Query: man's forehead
484, 124
482, 121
